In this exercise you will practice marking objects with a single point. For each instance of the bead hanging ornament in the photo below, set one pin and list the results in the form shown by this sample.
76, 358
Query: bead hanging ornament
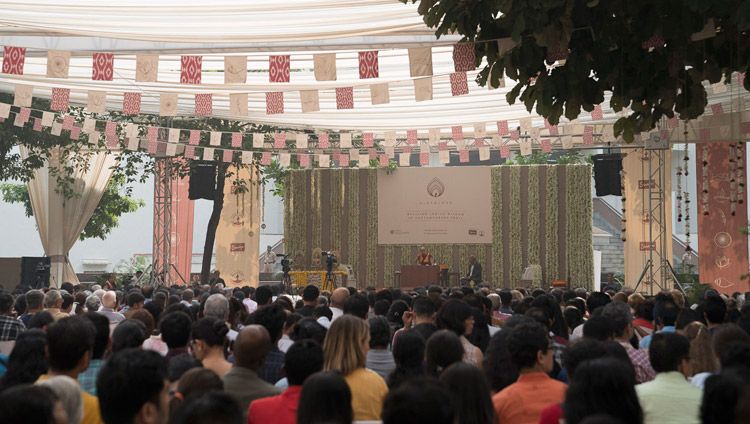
686, 196
740, 173
732, 180
679, 194
704, 179
622, 189
263, 205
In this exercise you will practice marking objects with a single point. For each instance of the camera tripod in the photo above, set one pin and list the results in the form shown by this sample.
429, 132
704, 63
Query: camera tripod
329, 282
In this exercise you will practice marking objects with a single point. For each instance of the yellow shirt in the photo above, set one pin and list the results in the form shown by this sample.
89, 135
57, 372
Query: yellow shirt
91, 413
368, 391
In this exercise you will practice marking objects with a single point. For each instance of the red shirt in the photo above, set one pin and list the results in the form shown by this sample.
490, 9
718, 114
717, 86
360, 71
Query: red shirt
281, 409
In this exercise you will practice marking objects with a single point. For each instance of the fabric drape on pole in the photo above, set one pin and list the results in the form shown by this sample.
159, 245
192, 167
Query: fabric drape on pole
61, 221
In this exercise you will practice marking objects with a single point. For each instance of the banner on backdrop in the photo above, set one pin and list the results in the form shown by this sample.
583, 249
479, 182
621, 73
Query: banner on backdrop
435, 205
182, 230
639, 225
722, 248
238, 233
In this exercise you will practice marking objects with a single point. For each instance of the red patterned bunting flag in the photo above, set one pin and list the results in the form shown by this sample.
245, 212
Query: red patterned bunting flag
344, 160
596, 114
75, 133
717, 109
195, 137
60, 98
152, 134
304, 159
515, 135
103, 69
367, 139
236, 139
266, 158
459, 85
279, 141
67, 122
278, 68
203, 104
151, 147
274, 103
384, 160
368, 65
25, 113
110, 128
190, 69
464, 57
131, 104
190, 151
457, 132
505, 151
502, 127
546, 145
37, 124
372, 153
323, 141
344, 97
13, 60
227, 156
424, 158
412, 137
463, 156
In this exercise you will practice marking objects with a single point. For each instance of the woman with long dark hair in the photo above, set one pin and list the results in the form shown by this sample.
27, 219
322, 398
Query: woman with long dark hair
455, 315
470, 394
27, 361
408, 353
325, 399
209, 339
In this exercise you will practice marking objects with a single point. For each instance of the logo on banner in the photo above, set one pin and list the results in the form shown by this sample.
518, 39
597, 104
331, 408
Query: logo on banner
237, 247
237, 276
646, 246
644, 184
237, 220
435, 187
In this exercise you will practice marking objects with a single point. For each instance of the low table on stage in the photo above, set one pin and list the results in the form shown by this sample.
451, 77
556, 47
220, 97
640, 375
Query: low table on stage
303, 278
419, 275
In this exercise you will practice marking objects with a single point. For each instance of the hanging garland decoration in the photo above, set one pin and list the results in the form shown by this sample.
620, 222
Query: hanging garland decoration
687, 221
684, 195
732, 180
679, 193
740, 168
622, 189
704, 179
263, 205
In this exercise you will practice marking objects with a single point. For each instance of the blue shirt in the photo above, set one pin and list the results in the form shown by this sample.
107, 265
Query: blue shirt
646, 341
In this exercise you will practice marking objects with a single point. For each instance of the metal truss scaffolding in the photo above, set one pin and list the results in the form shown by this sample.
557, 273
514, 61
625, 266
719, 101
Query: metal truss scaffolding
161, 274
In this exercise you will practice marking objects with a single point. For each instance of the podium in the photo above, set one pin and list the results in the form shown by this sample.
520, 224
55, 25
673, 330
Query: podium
419, 276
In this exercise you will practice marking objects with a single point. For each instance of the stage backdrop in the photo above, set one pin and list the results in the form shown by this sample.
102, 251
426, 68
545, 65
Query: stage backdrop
182, 229
238, 233
435, 205
722, 248
541, 214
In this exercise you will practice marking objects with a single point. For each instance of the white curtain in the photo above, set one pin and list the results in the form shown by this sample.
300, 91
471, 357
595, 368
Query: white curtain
60, 221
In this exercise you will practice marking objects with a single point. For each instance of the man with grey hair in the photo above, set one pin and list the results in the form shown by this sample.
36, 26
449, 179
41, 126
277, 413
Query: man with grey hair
53, 304
217, 306
93, 303
187, 297
619, 313
34, 304
109, 303
474, 276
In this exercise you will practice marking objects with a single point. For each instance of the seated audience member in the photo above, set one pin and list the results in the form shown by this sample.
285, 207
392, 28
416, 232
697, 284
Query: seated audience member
134, 302
31, 404
10, 327
93, 303
53, 304
209, 340
250, 352
323, 315
421, 318
379, 357
214, 407
595, 301
108, 308
285, 341
102, 342
133, 388
175, 331
68, 393
531, 351
703, 362
619, 312
337, 302
442, 350
178, 367
308, 328
325, 398
666, 318
129, 334
195, 382
602, 386
304, 358
669, 397
272, 318
726, 397
356, 305
408, 356
455, 315
599, 328
69, 345
345, 347
470, 394
497, 365
27, 361
310, 299
418, 401
34, 304
381, 307
714, 311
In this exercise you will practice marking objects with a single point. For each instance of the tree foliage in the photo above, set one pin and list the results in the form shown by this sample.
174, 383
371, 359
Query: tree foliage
606, 53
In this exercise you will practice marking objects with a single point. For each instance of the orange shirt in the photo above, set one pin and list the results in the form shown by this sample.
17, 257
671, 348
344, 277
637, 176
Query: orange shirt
424, 260
523, 401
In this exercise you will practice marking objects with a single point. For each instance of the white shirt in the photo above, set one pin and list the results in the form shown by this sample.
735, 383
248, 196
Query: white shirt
337, 312
284, 343
250, 304
324, 322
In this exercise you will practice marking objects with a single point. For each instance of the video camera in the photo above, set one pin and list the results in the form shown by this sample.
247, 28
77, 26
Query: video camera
286, 263
330, 259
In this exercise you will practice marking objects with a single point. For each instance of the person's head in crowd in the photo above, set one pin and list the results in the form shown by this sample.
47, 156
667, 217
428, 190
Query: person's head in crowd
505, 298
620, 314
338, 297
726, 397
109, 300
216, 306
310, 295
602, 386
308, 328
495, 300
53, 299
380, 333
418, 401
442, 349
685, 317
213, 407
251, 347
530, 348
34, 301
678, 298
497, 366
102, 341
669, 352
597, 300
68, 392
67, 303
396, 312
714, 310
408, 354
469, 392
726, 334
322, 311
356, 305
667, 313
175, 330
93, 303
384, 295
208, 334
195, 382
346, 345
303, 359
581, 351
325, 398
27, 360
381, 307
6, 304
133, 388
263, 295
146, 318
147, 291
41, 320
322, 299
135, 300
31, 404
573, 317
272, 318
702, 358
178, 366
128, 334
187, 295
455, 315
69, 345
735, 355
80, 301
552, 307
599, 328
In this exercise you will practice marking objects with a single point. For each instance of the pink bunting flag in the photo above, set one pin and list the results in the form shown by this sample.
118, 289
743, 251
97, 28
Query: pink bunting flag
344, 160
515, 135
279, 68
588, 129
745, 127
279, 141
459, 84
265, 159
274, 103
131, 103
25, 113
664, 134
344, 98
502, 128
596, 114
304, 159
60, 98
103, 69
463, 156
67, 122
151, 148
478, 143
588, 139
227, 156
152, 134
112, 141
335, 154
190, 151
367, 139
195, 137
412, 137
442, 146
236, 140
672, 122
323, 141
406, 149
110, 128
553, 130
457, 132
190, 69
741, 78
717, 109
547, 125
75, 133
424, 158
464, 57
203, 104
13, 60
37, 124
705, 134
546, 145
384, 160
368, 65
505, 151
372, 153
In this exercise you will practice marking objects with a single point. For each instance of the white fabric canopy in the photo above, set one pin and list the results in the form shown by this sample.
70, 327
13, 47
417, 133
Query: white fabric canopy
61, 221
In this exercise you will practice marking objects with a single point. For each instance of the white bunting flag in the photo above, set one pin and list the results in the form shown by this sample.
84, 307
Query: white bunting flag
174, 135
89, 125
5, 111
567, 142
345, 140
434, 136
47, 118
310, 101
354, 154
390, 151
484, 153
379, 94
324, 161
403, 159
444, 156
94, 137
301, 141
171, 149
258, 140
133, 143
238, 104
247, 158
208, 153
56, 127
525, 124
19, 122
285, 159
23, 95
389, 138
215, 138
480, 130
496, 140
525, 145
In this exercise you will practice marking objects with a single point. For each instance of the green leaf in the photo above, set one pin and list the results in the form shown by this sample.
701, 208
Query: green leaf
519, 26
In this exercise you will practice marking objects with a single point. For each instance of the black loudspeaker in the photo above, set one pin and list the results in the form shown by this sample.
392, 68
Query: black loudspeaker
35, 272
202, 181
607, 174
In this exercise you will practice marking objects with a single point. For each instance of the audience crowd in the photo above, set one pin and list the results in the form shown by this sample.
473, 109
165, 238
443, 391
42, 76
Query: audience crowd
465, 355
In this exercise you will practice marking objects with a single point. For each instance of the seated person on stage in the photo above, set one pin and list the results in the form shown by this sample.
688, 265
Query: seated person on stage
475, 273
424, 258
